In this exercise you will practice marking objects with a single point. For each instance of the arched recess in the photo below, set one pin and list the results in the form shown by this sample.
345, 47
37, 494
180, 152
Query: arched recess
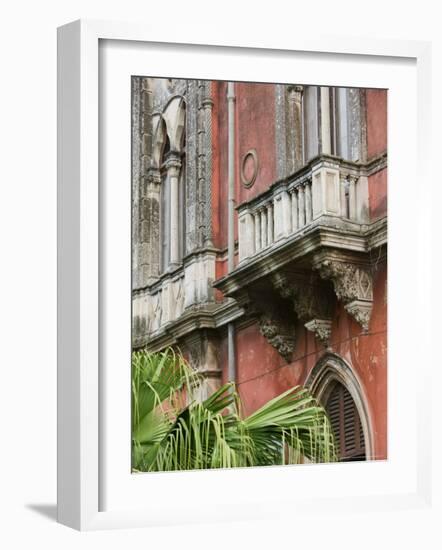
332, 369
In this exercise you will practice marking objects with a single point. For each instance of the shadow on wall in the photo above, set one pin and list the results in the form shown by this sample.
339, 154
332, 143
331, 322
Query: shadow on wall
49, 511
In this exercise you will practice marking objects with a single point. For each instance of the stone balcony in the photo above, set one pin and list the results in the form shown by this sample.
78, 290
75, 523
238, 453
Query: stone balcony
328, 190
307, 242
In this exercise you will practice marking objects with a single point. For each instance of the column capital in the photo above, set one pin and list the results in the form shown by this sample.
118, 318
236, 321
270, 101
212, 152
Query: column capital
173, 163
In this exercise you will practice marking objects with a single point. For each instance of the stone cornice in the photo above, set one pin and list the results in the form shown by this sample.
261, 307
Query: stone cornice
206, 316
377, 234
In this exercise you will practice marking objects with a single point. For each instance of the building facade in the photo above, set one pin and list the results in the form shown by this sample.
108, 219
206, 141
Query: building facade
259, 242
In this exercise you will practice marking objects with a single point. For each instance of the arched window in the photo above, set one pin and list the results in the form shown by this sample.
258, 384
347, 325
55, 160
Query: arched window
335, 385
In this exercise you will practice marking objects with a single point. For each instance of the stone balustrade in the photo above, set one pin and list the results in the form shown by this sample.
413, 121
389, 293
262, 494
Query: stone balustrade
328, 190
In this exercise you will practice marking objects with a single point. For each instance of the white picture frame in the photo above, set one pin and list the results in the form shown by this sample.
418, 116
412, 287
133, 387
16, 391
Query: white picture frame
80, 395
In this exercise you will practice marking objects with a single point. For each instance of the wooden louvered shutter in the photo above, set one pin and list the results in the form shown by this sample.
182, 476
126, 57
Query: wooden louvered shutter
346, 424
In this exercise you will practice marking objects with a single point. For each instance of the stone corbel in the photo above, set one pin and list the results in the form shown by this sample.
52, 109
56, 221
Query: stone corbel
274, 320
279, 333
311, 302
353, 286
321, 328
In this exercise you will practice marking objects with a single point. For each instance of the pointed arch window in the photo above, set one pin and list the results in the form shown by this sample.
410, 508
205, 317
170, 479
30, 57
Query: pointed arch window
334, 384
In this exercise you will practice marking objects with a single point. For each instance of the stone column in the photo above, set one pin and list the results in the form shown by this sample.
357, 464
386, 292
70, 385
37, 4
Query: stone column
308, 202
295, 112
325, 121
263, 227
257, 231
352, 197
294, 197
301, 206
269, 223
173, 165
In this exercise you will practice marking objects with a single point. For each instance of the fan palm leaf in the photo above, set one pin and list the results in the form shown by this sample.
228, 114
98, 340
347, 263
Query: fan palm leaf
173, 430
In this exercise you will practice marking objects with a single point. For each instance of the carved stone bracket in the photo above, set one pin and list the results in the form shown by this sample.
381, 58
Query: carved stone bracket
353, 286
279, 334
321, 328
361, 311
311, 302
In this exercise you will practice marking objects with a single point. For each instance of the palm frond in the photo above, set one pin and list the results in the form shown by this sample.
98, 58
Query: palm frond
172, 430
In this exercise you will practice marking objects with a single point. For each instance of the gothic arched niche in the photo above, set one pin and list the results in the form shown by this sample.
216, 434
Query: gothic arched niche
334, 384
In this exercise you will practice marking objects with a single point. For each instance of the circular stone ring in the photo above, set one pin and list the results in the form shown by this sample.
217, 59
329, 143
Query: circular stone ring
249, 168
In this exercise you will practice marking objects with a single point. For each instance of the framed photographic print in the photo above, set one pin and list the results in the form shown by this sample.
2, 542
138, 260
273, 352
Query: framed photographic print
232, 220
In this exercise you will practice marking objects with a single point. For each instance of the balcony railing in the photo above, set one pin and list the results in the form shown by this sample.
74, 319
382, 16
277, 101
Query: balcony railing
328, 188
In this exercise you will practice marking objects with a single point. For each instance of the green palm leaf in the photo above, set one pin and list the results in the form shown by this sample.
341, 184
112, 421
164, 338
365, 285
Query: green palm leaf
172, 430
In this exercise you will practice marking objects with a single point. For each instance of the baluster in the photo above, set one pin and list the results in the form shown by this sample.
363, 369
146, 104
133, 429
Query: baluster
301, 206
257, 217
295, 222
270, 223
308, 202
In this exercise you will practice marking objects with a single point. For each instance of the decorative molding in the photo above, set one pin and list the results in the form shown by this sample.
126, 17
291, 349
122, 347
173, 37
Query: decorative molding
207, 105
199, 165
